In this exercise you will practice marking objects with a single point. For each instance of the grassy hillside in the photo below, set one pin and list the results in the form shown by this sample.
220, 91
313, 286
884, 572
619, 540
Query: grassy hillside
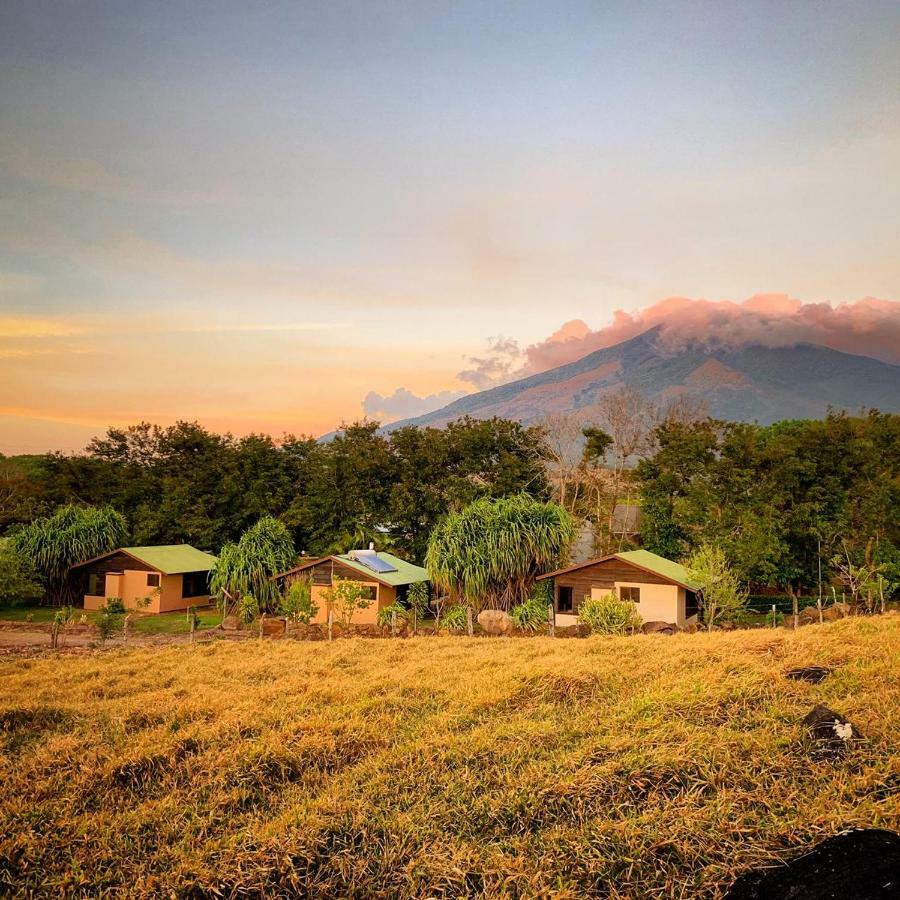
648, 766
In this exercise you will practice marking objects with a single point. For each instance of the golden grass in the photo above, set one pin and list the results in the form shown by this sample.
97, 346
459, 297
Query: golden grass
616, 767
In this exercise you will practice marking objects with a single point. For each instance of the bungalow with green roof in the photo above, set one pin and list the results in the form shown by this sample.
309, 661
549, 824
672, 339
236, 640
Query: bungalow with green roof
386, 576
152, 579
659, 587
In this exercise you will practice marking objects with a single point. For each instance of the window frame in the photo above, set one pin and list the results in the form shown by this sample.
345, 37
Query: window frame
570, 608
153, 580
632, 590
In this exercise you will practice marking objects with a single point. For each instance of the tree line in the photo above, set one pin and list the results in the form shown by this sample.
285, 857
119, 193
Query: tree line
779, 501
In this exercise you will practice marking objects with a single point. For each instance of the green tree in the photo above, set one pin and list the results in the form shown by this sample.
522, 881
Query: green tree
347, 597
19, 581
53, 544
490, 553
718, 584
247, 567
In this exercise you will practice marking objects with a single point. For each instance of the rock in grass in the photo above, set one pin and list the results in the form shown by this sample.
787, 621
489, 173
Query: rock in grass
231, 623
658, 628
830, 734
495, 621
863, 864
812, 674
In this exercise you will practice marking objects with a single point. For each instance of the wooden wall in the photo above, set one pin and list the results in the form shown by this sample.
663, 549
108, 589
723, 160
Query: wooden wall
603, 575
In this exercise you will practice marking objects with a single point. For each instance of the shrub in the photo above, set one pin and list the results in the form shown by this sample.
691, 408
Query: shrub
18, 579
417, 597
609, 615
248, 608
530, 615
297, 603
386, 614
110, 618
456, 618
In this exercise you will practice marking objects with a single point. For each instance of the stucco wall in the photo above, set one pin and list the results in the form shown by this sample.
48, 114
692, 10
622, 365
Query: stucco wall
384, 596
659, 602
131, 586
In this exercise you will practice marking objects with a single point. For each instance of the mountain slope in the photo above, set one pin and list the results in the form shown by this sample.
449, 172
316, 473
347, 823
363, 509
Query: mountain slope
749, 383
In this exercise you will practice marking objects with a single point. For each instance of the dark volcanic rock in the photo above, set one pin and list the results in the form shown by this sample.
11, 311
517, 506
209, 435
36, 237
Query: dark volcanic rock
862, 864
812, 674
830, 734
658, 628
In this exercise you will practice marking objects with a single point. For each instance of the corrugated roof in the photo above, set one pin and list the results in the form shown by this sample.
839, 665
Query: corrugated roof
173, 559
644, 559
406, 573
659, 564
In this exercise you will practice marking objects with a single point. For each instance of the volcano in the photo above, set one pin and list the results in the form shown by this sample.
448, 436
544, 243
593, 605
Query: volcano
749, 383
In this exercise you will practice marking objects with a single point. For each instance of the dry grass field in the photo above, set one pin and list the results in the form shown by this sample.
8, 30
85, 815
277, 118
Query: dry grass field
634, 767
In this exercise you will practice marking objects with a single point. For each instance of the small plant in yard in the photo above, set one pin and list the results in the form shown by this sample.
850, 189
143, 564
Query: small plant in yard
347, 597
417, 597
455, 618
530, 615
385, 617
297, 603
64, 615
248, 608
609, 615
110, 618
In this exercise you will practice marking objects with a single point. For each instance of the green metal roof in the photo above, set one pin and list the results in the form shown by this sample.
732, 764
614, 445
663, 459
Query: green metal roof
659, 564
406, 573
173, 559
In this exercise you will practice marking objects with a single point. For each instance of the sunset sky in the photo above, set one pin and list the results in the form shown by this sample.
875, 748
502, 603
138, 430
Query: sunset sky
259, 215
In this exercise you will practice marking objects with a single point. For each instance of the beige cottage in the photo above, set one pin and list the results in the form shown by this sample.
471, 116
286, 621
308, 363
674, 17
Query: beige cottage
659, 588
152, 579
386, 576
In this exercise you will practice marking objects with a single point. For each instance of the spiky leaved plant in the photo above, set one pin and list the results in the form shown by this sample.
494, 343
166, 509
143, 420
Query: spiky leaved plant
73, 534
489, 554
247, 567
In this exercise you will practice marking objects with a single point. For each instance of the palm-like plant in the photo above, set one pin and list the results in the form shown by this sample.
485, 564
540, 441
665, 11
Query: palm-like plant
73, 534
490, 553
246, 568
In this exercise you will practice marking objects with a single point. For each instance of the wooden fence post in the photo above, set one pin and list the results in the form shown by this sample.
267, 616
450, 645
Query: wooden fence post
330, 621
262, 625
469, 627
774, 615
193, 627
394, 623
54, 635
551, 620
126, 624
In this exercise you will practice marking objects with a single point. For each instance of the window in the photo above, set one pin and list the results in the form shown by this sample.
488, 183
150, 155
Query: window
153, 579
195, 584
564, 599
630, 594
96, 585
691, 606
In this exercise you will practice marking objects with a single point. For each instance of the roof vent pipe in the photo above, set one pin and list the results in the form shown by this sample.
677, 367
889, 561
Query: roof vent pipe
371, 545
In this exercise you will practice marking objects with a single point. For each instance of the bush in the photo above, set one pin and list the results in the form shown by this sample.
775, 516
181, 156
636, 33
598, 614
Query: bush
386, 614
110, 618
297, 604
248, 608
456, 618
530, 615
609, 615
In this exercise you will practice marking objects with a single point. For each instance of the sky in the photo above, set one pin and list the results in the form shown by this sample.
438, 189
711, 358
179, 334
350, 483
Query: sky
280, 216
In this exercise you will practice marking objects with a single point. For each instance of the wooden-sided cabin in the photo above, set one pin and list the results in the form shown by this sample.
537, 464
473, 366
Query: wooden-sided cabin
386, 577
659, 587
151, 579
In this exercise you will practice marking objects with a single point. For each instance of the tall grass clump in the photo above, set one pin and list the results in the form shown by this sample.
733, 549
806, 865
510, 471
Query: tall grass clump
490, 553
73, 534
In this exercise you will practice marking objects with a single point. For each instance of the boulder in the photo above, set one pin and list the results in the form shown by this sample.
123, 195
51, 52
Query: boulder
830, 734
658, 628
495, 621
231, 623
273, 627
863, 863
